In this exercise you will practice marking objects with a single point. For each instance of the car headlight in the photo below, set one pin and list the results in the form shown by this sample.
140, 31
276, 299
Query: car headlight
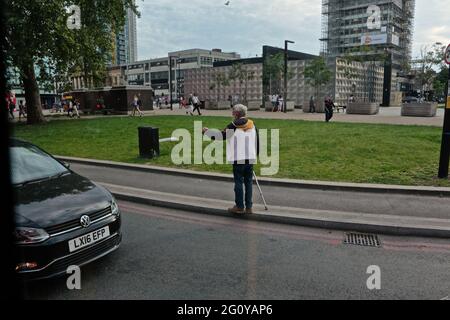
26, 235
115, 208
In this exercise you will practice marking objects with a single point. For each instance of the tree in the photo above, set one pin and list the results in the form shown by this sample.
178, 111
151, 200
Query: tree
440, 82
243, 75
318, 74
219, 80
41, 46
274, 72
430, 59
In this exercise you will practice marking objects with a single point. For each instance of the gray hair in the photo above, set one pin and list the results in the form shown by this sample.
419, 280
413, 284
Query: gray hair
241, 110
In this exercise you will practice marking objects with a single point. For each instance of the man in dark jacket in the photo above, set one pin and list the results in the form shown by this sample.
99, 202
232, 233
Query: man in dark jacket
242, 151
329, 105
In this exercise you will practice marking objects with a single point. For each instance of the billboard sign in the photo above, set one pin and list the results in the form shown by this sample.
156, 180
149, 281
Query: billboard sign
374, 39
395, 40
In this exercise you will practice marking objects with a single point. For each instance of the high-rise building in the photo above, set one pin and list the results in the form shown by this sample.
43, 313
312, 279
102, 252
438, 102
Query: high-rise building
125, 48
381, 27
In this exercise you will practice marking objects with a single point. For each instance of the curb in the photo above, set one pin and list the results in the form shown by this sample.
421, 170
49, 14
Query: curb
343, 221
289, 183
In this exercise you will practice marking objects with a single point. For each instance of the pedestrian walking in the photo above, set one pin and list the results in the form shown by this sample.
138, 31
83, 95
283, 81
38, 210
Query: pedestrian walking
190, 107
280, 103
180, 103
136, 105
274, 100
329, 106
196, 103
22, 110
76, 108
241, 132
312, 105
186, 105
70, 109
12, 107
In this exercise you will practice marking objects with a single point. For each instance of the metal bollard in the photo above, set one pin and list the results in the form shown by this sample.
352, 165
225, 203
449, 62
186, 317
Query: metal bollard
148, 142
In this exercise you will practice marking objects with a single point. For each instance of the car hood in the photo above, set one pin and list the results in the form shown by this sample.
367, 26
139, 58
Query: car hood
51, 202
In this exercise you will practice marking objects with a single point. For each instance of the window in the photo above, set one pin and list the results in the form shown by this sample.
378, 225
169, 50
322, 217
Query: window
160, 75
159, 63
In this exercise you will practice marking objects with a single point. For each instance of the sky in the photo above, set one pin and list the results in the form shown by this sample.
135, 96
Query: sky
246, 25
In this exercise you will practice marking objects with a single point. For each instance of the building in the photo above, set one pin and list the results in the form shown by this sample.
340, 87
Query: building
363, 81
356, 27
49, 91
125, 46
253, 86
116, 76
206, 83
155, 72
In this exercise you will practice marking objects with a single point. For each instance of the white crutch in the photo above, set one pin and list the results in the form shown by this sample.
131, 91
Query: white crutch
260, 191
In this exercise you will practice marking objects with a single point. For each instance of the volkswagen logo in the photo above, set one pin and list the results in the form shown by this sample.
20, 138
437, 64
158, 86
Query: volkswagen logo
85, 221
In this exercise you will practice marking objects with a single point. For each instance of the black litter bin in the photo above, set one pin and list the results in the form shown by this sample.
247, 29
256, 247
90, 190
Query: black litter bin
148, 142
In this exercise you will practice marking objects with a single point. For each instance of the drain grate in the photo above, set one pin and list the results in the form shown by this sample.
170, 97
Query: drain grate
359, 239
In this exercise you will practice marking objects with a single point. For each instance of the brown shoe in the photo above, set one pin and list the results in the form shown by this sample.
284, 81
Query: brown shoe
248, 211
236, 210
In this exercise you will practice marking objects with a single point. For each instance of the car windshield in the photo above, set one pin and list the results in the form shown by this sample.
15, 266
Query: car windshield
28, 163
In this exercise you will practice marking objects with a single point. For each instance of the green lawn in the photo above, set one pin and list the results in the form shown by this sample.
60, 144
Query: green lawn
368, 153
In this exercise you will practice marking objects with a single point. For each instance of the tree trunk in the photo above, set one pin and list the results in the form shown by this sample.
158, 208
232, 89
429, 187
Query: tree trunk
32, 95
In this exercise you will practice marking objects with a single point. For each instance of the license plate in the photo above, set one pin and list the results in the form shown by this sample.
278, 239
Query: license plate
88, 239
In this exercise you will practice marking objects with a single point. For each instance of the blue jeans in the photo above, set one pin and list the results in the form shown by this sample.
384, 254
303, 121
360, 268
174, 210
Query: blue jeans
243, 175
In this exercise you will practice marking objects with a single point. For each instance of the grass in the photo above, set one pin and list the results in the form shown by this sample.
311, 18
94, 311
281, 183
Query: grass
348, 152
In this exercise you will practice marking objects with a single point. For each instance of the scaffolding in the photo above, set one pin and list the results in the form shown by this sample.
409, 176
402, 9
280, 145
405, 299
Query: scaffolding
324, 38
345, 32
344, 24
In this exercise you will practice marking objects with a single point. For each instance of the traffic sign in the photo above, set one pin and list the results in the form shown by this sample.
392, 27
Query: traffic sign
447, 55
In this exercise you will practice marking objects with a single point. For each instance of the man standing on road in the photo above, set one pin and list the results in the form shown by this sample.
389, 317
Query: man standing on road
242, 150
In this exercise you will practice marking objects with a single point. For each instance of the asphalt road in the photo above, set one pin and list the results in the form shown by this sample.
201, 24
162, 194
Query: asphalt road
168, 254
360, 202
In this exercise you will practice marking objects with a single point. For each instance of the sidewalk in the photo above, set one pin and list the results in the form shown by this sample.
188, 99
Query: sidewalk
388, 212
390, 115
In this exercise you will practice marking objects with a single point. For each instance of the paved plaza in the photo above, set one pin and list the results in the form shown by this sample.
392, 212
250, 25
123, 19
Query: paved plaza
387, 115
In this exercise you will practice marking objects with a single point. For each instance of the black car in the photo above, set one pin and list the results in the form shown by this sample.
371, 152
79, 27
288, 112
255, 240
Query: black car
62, 218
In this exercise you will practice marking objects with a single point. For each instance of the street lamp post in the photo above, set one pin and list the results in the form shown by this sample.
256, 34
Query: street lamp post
170, 82
286, 57
179, 79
